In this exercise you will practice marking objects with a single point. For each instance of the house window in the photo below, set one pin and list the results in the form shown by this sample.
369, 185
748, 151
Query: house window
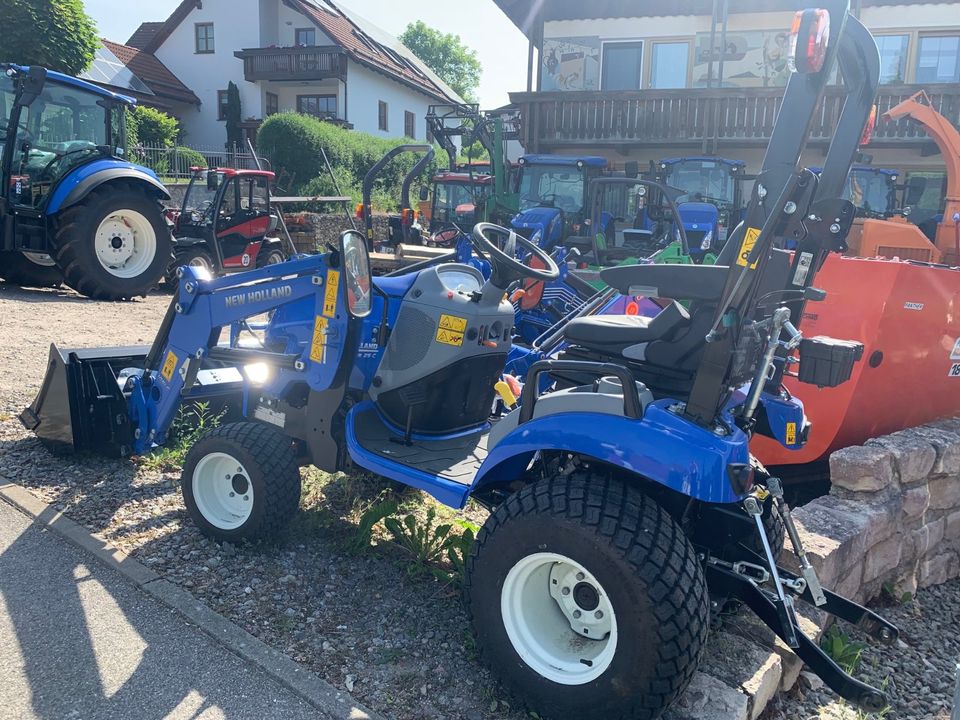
323, 106
204, 37
273, 104
409, 125
938, 60
620, 66
222, 96
669, 65
382, 116
305, 37
893, 58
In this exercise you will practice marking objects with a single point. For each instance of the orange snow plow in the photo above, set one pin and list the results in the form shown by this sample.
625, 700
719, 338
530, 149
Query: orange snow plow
900, 296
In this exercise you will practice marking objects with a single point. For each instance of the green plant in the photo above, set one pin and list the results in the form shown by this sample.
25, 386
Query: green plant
233, 117
844, 651
458, 549
187, 158
422, 540
191, 423
152, 127
56, 34
361, 538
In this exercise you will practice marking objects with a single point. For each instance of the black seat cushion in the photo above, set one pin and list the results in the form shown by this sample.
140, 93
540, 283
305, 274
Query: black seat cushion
613, 333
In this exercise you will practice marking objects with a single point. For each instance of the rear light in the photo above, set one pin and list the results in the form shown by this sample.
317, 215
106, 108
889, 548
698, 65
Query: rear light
809, 38
868, 129
741, 476
633, 308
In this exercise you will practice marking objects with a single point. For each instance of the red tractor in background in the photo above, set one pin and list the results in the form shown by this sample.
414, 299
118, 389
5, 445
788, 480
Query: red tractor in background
226, 223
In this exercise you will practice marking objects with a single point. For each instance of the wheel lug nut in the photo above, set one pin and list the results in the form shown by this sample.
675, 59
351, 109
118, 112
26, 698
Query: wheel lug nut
598, 614
246, 497
565, 591
232, 494
576, 613
580, 576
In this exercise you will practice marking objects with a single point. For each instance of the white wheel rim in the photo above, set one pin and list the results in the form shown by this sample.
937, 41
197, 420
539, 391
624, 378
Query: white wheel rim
222, 491
274, 258
559, 619
41, 259
200, 261
125, 243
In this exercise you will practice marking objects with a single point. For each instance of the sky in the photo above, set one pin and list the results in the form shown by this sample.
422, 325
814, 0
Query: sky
500, 46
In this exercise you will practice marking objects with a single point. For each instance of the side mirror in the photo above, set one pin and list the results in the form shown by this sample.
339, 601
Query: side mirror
631, 168
916, 184
424, 193
355, 264
213, 180
31, 85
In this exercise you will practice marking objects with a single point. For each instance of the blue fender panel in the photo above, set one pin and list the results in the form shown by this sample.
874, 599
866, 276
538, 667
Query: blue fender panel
76, 185
661, 447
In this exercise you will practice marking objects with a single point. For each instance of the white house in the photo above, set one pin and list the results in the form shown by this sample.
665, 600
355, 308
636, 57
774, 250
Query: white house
312, 56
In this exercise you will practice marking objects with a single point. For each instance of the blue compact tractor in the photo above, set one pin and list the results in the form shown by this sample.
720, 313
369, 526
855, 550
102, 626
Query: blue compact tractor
625, 507
73, 209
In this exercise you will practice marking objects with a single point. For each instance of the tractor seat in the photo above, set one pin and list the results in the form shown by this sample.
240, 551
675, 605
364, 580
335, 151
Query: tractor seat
611, 334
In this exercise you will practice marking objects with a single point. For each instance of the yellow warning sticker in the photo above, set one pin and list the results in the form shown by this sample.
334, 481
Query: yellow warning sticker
318, 346
451, 329
749, 240
169, 366
330, 295
791, 433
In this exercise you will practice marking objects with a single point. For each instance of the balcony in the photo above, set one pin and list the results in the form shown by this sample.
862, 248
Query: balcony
729, 117
297, 63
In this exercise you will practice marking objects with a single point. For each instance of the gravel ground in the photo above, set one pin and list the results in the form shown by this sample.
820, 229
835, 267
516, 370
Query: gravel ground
399, 641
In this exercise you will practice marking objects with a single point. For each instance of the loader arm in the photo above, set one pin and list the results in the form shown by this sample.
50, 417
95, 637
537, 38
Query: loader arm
190, 333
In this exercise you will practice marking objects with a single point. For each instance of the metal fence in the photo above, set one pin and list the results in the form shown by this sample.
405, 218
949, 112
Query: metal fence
174, 163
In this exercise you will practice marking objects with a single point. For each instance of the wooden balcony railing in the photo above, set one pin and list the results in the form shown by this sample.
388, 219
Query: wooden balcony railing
298, 63
728, 116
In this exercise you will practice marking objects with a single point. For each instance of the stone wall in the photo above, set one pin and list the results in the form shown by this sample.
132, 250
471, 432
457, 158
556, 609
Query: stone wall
327, 227
892, 517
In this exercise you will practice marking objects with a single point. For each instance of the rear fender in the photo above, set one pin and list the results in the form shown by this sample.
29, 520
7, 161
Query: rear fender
85, 179
660, 447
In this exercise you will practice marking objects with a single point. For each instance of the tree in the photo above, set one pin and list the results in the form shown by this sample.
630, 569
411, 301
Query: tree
153, 127
233, 117
56, 34
445, 54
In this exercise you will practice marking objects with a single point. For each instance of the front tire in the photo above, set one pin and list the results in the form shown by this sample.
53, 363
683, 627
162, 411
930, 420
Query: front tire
115, 244
241, 482
29, 269
587, 599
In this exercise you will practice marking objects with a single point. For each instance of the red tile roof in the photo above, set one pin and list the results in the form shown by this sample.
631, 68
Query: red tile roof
144, 34
155, 75
360, 44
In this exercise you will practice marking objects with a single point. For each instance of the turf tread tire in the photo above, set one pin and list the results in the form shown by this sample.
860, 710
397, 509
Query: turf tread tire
74, 244
609, 513
269, 459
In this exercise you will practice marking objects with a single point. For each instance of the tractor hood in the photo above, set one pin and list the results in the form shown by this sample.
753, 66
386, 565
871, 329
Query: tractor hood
698, 215
536, 218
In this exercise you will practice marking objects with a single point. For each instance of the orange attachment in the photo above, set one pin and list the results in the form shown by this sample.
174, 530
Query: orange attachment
893, 238
358, 211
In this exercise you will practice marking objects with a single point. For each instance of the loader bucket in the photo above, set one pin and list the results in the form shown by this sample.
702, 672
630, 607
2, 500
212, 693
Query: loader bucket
81, 406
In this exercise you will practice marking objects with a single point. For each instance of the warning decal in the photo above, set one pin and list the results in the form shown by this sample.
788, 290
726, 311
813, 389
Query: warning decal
749, 240
791, 433
318, 346
330, 295
954, 370
451, 329
169, 366
955, 353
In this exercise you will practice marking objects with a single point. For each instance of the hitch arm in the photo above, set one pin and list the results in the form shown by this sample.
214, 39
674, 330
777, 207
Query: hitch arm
724, 582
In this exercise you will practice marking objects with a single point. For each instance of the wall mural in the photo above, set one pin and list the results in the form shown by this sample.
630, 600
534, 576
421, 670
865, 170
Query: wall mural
570, 64
753, 59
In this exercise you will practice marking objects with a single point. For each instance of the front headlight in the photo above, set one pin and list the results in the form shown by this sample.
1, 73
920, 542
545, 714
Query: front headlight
707, 241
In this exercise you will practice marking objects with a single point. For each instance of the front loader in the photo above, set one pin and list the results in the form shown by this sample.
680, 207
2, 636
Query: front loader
621, 518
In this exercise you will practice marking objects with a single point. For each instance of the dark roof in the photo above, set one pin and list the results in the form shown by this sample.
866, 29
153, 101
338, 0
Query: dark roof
527, 14
144, 34
370, 46
170, 24
154, 74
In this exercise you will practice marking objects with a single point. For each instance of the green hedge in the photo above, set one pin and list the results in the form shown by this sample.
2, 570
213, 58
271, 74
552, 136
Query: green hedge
293, 143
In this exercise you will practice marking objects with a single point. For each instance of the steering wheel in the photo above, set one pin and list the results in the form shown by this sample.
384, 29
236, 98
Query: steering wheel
506, 268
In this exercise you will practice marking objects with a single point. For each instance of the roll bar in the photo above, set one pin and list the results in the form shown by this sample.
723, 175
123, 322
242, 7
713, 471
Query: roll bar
374, 171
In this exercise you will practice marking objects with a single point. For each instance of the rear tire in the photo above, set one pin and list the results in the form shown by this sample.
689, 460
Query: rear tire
241, 481
115, 244
21, 269
271, 256
624, 557
196, 256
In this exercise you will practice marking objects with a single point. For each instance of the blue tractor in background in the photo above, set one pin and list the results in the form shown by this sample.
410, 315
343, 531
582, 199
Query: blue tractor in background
73, 209
553, 193
713, 199
873, 191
